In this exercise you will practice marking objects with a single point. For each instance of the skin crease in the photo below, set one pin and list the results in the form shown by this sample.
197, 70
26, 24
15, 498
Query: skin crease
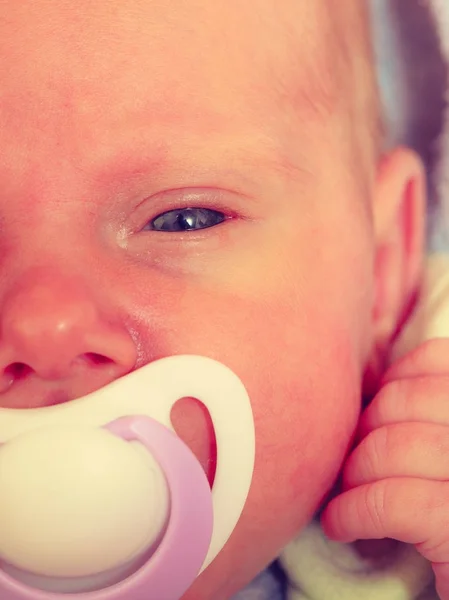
109, 118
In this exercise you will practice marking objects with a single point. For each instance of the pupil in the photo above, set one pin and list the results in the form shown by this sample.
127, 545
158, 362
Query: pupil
186, 220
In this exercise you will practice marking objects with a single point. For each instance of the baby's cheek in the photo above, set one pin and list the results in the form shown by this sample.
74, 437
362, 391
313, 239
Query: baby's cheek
303, 430
299, 361
304, 423
305, 407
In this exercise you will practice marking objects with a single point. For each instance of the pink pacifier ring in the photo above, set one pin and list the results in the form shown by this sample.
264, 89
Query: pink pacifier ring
178, 559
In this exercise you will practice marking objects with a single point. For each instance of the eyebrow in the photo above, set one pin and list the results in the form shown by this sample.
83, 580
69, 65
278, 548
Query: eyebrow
231, 158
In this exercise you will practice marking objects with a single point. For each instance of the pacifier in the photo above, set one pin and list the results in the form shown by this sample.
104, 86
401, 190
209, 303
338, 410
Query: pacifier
101, 500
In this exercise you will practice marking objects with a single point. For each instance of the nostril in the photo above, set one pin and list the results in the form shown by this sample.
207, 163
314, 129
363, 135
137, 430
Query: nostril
17, 370
97, 359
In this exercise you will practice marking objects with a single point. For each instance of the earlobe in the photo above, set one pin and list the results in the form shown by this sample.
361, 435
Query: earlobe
399, 222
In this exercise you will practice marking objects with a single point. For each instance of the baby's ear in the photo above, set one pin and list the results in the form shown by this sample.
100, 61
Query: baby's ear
399, 220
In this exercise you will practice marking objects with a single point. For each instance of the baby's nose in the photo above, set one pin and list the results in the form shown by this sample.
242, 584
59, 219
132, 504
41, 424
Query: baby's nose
56, 339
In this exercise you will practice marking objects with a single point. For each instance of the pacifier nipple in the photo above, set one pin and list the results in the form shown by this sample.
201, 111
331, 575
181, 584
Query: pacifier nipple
77, 501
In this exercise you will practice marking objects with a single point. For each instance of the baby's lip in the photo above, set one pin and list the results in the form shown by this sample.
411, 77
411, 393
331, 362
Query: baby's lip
26, 394
33, 392
27, 400
54, 398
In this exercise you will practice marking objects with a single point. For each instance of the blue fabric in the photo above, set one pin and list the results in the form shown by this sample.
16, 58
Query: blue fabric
412, 76
269, 585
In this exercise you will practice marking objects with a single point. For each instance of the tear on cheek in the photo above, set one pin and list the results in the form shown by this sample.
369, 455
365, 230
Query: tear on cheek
192, 422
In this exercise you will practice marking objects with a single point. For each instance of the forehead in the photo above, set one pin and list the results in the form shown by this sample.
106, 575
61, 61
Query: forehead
85, 74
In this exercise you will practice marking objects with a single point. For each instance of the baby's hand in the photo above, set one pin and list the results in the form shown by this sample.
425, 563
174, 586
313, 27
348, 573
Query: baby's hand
396, 482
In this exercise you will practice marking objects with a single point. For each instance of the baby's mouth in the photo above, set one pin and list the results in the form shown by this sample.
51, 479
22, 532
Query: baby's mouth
190, 418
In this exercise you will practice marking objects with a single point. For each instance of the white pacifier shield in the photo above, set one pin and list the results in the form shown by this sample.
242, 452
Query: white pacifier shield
133, 518
77, 501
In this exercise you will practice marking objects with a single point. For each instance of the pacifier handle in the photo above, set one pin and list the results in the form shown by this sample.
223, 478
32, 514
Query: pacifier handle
186, 541
175, 564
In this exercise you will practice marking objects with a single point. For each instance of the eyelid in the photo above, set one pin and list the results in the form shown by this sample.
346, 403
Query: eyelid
210, 198
198, 198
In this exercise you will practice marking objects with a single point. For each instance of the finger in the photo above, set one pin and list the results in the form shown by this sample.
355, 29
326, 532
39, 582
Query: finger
441, 571
401, 450
413, 511
423, 399
429, 358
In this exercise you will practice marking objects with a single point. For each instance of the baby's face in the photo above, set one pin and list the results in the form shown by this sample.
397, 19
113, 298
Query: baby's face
174, 181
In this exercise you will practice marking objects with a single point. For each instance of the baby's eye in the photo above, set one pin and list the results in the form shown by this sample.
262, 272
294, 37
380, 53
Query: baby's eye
186, 219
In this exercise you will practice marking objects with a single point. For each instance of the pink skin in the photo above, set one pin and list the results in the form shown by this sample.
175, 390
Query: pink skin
396, 480
111, 116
